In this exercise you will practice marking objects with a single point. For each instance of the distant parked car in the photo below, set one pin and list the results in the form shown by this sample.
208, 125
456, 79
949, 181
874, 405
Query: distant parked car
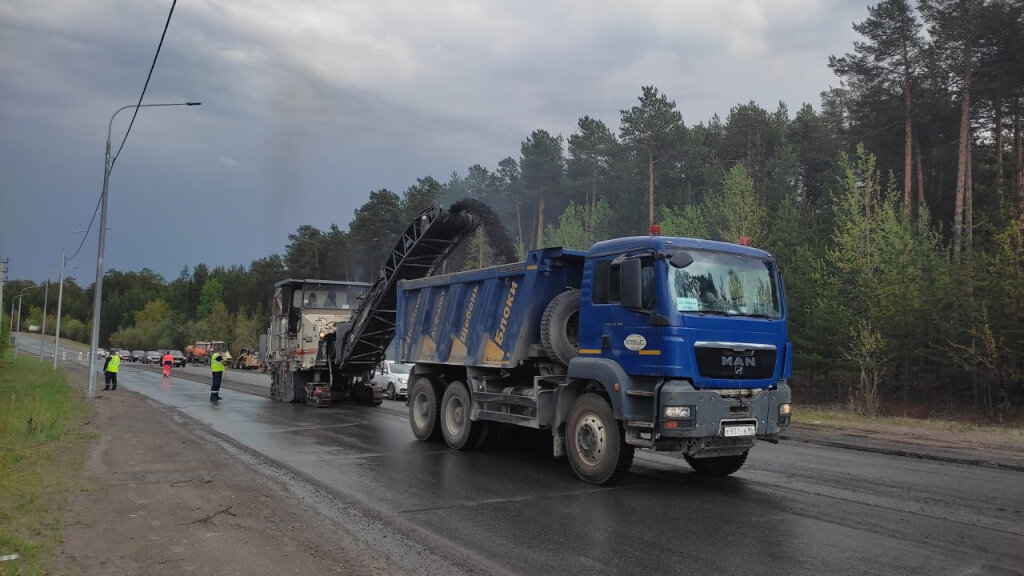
393, 377
138, 355
153, 357
102, 353
179, 358
124, 355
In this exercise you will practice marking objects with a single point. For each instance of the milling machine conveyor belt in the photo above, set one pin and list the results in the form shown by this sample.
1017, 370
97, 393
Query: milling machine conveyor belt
426, 242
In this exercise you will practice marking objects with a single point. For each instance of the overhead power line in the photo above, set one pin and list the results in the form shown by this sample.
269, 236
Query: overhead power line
134, 114
146, 85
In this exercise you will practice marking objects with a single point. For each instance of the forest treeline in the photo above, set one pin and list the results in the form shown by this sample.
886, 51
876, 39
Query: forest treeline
894, 209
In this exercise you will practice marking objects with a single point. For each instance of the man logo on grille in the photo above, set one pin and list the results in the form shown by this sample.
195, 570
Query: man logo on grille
739, 362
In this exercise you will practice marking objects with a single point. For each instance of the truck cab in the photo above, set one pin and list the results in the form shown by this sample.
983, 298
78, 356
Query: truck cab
698, 330
198, 352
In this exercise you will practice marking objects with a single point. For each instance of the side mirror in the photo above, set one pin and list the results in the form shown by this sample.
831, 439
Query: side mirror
630, 284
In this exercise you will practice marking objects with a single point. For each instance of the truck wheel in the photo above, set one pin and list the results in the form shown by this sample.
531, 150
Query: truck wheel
460, 433
595, 443
424, 408
560, 326
717, 465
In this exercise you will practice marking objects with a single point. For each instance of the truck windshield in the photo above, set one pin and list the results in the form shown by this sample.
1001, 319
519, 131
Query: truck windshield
722, 283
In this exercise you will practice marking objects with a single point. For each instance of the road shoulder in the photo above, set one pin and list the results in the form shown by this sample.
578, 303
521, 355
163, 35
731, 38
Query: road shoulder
977, 448
159, 499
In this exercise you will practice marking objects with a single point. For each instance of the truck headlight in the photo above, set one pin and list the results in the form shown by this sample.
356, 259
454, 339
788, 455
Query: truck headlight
677, 412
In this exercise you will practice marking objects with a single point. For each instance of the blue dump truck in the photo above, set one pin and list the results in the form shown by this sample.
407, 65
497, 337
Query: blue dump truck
644, 342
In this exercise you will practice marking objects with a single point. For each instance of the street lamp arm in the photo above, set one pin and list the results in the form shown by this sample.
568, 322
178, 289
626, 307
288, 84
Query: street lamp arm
98, 290
110, 125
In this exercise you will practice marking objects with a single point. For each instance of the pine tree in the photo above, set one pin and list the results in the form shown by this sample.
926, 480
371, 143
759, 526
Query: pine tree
651, 129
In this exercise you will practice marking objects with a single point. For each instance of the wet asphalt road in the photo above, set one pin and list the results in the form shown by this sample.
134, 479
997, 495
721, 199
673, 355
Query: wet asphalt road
794, 508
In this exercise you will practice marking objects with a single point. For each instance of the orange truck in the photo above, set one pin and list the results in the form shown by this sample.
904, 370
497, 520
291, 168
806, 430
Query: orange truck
199, 351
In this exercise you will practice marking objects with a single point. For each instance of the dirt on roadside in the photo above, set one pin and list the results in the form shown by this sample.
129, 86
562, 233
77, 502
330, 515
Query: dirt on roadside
158, 500
979, 447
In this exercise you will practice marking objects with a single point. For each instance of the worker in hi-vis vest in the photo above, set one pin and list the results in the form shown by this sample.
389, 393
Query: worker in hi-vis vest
110, 368
217, 368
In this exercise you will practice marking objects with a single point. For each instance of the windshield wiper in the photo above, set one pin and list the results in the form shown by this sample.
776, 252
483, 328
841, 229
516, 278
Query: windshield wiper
711, 312
715, 312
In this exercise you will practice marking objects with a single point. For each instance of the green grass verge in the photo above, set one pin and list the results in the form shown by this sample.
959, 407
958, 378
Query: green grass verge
831, 416
41, 453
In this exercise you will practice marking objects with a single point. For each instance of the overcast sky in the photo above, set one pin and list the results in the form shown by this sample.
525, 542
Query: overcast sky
309, 105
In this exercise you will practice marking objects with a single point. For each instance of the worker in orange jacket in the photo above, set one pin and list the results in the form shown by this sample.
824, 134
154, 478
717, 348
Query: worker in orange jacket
167, 361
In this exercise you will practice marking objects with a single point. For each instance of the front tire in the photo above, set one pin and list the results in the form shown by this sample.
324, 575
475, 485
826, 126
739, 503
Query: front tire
391, 391
595, 442
717, 465
424, 408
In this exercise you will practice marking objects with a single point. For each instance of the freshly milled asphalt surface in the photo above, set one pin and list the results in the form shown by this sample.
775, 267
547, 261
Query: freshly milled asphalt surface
800, 507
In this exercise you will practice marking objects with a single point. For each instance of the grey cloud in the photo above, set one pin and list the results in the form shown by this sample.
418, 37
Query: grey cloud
308, 106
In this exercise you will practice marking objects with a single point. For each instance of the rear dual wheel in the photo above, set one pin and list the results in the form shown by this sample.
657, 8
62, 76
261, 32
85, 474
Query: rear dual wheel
434, 415
424, 408
458, 430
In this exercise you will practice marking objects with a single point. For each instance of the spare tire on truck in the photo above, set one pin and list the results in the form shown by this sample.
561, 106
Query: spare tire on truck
560, 326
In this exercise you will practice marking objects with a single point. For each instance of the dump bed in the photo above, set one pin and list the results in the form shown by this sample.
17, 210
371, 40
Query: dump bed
488, 317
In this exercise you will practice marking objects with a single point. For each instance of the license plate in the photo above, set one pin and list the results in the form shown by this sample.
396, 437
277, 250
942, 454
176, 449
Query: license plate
741, 430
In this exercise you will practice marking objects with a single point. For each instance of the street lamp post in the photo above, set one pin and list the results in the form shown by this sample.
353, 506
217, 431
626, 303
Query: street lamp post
3, 278
60, 296
22, 293
98, 296
60, 300
42, 331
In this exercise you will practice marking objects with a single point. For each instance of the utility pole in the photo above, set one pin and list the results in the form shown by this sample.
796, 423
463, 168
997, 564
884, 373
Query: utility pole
98, 286
3, 279
21, 295
42, 331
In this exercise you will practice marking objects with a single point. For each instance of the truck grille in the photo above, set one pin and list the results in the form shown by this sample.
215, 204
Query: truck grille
735, 363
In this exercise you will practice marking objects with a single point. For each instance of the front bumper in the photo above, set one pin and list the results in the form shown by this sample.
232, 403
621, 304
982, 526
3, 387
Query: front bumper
721, 420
